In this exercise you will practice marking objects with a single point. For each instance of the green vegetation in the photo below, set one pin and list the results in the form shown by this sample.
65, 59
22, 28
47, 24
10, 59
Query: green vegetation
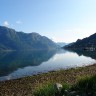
86, 86
48, 90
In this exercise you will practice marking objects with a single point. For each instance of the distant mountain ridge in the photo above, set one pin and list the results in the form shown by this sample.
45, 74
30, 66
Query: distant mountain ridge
61, 44
13, 40
84, 44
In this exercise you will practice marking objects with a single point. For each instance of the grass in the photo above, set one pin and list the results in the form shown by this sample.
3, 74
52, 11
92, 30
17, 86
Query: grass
27, 85
86, 86
50, 90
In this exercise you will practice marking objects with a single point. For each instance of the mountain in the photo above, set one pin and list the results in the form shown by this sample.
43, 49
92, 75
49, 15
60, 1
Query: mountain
13, 40
88, 43
61, 44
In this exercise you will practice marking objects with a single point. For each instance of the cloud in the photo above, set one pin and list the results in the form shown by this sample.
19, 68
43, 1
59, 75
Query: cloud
18, 22
5, 23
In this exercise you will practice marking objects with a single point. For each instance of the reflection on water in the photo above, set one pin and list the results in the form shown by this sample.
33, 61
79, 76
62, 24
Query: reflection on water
91, 54
25, 63
11, 61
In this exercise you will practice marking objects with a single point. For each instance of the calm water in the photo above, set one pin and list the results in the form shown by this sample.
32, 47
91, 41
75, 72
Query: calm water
20, 63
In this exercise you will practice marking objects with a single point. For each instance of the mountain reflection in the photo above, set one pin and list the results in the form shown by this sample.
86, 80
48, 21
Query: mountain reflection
91, 54
11, 61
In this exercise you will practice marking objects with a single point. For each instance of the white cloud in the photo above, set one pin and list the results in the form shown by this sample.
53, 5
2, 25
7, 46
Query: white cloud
18, 22
5, 23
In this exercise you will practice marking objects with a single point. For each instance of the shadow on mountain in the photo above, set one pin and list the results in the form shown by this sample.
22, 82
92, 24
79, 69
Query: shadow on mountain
11, 61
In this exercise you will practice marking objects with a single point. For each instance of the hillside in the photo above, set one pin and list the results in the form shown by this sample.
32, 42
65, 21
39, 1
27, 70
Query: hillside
13, 40
87, 43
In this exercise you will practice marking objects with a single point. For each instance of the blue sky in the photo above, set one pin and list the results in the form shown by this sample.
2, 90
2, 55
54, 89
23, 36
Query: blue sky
60, 20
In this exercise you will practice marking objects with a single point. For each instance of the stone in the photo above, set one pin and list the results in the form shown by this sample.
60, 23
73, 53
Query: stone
58, 86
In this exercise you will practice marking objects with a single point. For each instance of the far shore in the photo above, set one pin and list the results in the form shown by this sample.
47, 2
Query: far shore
26, 86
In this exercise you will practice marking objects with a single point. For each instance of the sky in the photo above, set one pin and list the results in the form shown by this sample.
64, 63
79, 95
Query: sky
60, 20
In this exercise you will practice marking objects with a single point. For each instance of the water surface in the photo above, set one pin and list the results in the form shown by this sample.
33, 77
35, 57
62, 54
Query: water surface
19, 64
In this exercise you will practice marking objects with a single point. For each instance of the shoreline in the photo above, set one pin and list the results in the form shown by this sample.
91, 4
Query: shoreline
25, 86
